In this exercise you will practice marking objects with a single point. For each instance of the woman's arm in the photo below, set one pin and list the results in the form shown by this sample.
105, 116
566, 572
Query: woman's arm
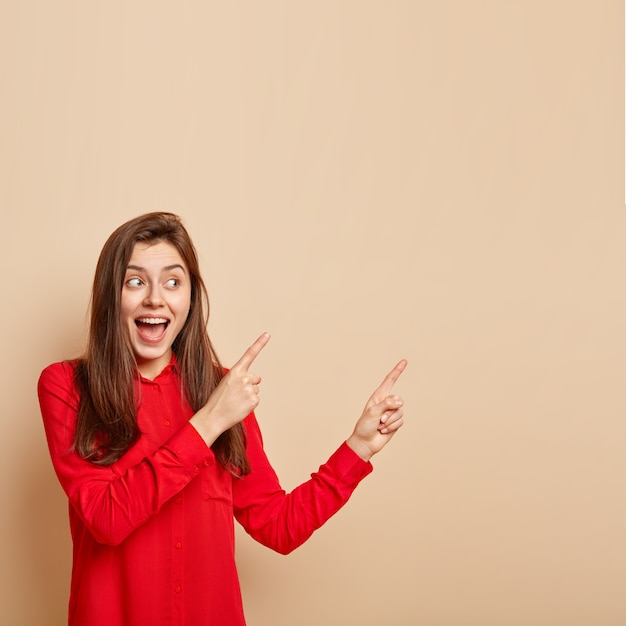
113, 500
283, 521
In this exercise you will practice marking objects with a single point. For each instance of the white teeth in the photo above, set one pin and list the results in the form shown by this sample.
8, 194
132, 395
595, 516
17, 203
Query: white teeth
152, 320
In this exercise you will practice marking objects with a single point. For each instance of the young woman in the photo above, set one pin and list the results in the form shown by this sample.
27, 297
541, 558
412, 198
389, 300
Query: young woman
158, 448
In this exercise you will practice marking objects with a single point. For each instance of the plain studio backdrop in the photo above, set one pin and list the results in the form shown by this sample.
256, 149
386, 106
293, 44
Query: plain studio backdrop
440, 181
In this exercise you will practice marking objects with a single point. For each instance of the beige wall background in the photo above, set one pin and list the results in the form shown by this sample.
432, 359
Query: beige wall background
435, 180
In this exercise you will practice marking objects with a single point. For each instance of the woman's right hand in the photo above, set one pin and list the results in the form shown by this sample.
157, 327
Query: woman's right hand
235, 397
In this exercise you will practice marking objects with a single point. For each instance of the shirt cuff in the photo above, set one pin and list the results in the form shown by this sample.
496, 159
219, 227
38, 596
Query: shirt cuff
349, 466
188, 447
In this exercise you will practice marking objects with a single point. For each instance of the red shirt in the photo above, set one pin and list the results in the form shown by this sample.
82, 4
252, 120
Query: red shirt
153, 533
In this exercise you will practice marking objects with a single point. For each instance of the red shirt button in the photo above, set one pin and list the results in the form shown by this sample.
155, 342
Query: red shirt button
167, 423
177, 589
179, 545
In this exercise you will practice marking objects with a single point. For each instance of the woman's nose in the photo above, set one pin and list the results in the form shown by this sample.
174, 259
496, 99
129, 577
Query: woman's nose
153, 297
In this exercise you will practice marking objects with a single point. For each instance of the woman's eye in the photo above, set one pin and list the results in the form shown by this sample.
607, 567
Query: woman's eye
172, 282
134, 282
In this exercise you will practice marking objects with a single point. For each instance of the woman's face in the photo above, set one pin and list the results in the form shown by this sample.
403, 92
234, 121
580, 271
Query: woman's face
156, 296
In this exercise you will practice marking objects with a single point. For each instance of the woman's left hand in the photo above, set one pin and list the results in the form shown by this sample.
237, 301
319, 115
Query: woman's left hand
381, 418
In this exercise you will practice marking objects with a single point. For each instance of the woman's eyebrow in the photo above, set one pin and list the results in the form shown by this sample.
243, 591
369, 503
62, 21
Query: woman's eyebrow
167, 268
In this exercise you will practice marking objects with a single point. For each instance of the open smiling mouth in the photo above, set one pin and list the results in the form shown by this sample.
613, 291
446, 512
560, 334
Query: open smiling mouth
152, 328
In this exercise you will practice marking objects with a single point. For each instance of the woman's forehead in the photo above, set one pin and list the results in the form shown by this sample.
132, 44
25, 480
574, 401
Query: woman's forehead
160, 253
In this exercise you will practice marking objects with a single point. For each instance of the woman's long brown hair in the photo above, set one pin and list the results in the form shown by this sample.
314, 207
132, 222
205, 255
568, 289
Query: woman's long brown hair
105, 376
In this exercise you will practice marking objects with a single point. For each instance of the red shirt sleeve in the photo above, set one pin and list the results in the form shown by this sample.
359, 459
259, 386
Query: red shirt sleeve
113, 500
283, 521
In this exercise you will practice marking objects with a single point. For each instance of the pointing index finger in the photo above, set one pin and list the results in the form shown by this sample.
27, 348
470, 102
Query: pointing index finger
384, 388
252, 352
